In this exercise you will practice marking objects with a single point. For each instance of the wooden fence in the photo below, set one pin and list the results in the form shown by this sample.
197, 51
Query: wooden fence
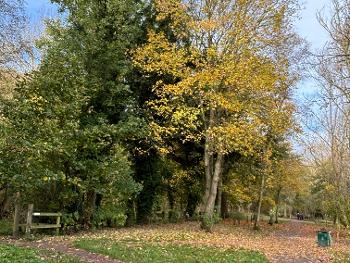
30, 225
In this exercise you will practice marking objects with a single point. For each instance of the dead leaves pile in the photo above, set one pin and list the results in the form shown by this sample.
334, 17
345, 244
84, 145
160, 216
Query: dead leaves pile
288, 242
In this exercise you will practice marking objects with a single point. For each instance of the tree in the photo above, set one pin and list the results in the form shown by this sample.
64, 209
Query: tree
83, 110
224, 67
290, 179
14, 47
15, 43
329, 116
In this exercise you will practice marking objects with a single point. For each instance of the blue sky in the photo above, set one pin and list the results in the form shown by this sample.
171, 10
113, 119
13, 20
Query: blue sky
308, 26
310, 29
37, 9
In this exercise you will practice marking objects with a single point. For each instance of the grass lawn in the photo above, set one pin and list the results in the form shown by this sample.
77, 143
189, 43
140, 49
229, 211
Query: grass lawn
13, 254
135, 251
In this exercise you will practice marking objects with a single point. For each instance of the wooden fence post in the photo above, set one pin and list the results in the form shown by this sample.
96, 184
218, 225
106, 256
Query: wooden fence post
15, 229
58, 222
29, 219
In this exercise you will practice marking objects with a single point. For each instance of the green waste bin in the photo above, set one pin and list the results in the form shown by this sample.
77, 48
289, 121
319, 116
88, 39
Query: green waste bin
324, 238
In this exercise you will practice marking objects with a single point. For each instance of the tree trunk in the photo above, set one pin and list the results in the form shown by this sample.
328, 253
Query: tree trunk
285, 210
29, 219
16, 217
208, 162
89, 207
131, 213
208, 156
277, 203
224, 206
4, 202
219, 197
276, 214
336, 222
249, 212
209, 208
257, 219
171, 202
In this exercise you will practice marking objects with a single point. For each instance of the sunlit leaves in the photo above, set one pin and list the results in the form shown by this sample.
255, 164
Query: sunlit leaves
237, 82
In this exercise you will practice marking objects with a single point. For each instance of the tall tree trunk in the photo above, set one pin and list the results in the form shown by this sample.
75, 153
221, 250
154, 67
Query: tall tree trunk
89, 207
131, 213
219, 197
249, 212
171, 202
224, 206
208, 162
278, 195
209, 208
16, 215
336, 222
257, 219
208, 174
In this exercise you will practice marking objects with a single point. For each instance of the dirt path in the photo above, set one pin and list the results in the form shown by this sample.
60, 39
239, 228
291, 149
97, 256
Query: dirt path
298, 244
295, 242
289, 242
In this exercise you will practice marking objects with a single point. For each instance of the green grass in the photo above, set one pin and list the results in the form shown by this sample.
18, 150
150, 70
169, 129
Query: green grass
13, 254
5, 228
142, 252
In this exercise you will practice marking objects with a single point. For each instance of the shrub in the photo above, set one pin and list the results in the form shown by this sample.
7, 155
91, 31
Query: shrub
70, 221
109, 216
238, 216
208, 221
5, 227
175, 216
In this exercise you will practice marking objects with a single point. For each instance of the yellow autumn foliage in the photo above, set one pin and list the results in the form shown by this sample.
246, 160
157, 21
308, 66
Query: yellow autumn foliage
223, 79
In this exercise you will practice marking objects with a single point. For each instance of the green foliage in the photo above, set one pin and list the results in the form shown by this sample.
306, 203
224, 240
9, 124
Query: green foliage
5, 227
142, 252
175, 216
109, 216
12, 254
83, 111
208, 221
236, 215
70, 221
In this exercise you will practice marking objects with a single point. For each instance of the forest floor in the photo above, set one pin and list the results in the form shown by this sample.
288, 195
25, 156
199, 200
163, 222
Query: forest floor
287, 242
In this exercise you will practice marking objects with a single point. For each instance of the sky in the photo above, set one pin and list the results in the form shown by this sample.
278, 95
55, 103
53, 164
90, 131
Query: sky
37, 9
308, 27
